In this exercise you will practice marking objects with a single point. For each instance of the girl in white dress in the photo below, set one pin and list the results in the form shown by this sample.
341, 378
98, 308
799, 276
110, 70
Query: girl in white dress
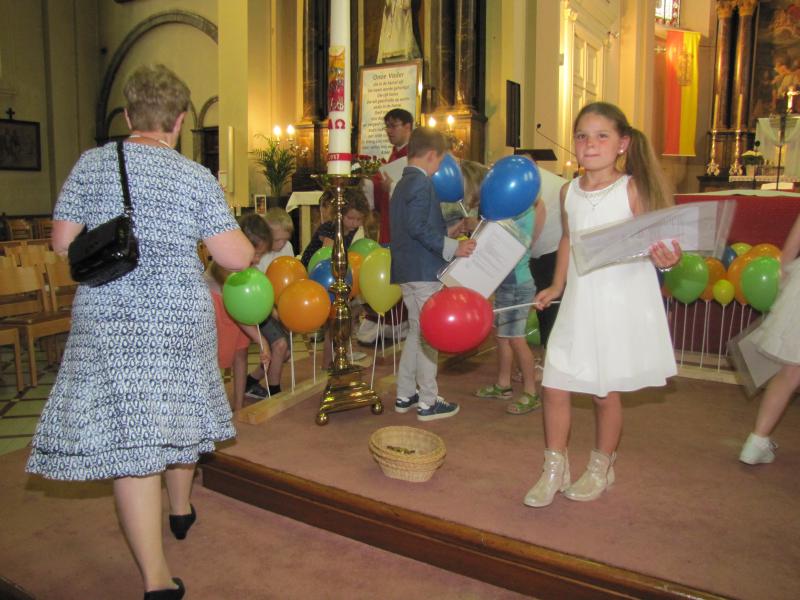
779, 338
611, 334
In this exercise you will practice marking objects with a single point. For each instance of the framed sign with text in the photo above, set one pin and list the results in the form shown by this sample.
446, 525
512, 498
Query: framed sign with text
380, 89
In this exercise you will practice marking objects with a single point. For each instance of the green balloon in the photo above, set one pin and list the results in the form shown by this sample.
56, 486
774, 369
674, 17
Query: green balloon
323, 253
363, 246
248, 296
760, 280
532, 333
687, 280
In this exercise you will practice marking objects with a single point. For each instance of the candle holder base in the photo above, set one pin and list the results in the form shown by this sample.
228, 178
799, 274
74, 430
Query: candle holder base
346, 391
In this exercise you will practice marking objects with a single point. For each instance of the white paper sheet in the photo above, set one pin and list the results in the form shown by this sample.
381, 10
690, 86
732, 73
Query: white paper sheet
497, 252
698, 227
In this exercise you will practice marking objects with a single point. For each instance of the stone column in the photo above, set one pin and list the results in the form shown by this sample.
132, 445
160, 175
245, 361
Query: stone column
722, 67
743, 64
441, 61
466, 55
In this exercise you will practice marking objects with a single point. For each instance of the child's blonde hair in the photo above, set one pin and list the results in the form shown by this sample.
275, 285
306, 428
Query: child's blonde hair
639, 160
279, 218
473, 174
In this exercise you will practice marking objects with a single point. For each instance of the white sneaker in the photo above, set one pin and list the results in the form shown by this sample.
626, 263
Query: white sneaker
758, 450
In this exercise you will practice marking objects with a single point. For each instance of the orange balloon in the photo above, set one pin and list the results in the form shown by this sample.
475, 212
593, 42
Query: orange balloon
355, 261
765, 250
716, 271
735, 274
304, 306
284, 271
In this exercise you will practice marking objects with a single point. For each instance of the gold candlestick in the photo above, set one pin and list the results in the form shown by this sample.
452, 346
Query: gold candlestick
736, 167
712, 168
345, 390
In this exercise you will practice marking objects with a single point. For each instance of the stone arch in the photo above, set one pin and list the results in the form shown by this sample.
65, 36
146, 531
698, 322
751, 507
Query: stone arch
201, 120
165, 18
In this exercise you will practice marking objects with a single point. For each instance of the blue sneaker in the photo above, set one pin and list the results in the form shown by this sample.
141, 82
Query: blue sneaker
440, 410
403, 405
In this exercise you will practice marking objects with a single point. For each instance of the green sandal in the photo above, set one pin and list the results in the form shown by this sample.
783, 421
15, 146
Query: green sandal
494, 391
524, 404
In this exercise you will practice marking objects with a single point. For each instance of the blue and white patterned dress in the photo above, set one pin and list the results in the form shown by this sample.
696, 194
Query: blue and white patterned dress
139, 387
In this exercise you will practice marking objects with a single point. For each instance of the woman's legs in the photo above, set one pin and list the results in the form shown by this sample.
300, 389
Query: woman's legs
608, 422
776, 398
179, 480
139, 506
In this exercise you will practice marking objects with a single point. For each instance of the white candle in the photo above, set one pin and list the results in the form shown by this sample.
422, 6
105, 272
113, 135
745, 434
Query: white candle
339, 110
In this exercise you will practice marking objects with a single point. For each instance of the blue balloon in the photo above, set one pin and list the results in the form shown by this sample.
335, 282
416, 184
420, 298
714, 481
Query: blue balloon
447, 181
728, 256
509, 188
323, 275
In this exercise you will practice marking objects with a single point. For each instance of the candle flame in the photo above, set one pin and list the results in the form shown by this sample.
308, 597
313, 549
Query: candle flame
276, 131
450, 121
290, 130
431, 122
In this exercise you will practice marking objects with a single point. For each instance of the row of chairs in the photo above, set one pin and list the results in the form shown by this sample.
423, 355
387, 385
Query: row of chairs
27, 255
26, 229
35, 304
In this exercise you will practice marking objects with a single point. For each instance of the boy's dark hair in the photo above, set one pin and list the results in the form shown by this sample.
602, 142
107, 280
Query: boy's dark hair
424, 139
255, 227
399, 114
355, 199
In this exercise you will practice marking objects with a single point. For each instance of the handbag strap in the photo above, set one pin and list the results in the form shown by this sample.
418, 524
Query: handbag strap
123, 175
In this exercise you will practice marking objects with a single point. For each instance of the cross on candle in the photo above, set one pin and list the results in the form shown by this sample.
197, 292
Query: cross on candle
10, 112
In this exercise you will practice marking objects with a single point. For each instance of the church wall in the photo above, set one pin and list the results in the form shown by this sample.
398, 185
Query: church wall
24, 84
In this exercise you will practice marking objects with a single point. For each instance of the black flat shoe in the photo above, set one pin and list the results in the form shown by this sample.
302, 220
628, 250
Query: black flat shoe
180, 524
170, 594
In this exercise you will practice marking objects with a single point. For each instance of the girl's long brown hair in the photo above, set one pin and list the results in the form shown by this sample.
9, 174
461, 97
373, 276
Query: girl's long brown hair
639, 161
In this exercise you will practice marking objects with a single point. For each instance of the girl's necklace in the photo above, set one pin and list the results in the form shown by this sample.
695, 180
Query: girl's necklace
595, 197
147, 137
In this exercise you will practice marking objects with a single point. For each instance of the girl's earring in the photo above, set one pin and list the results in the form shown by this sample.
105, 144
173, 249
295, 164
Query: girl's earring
621, 151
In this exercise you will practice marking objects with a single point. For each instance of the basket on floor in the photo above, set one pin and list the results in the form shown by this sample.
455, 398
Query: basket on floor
407, 453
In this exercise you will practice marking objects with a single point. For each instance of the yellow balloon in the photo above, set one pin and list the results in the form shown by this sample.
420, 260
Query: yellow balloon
741, 248
724, 292
374, 280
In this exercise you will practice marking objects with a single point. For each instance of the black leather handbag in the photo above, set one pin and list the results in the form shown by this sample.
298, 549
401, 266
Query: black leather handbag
110, 250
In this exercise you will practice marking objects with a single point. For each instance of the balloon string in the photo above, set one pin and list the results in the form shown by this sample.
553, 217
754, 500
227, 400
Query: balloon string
499, 310
264, 364
291, 356
380, 334
721, 333
705, 333
314, 363
394, 345
375, 356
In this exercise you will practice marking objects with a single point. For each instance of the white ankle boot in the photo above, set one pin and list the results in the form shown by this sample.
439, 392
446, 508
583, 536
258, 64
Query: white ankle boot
555, 478
598, 476
758, 450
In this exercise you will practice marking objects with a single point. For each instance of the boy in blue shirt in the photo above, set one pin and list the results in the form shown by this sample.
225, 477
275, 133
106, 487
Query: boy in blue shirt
420, 247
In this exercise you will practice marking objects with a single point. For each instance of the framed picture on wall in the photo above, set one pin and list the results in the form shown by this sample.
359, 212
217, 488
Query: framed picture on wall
20, 148
260, 204
777, 58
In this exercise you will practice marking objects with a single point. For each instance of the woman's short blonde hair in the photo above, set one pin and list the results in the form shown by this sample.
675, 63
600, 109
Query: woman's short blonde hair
155, 97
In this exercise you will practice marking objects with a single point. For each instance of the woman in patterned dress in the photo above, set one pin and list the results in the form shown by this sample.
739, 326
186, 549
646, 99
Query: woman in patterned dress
139, 393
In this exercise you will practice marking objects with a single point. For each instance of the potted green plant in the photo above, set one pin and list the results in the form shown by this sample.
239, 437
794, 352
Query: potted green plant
752, 159
277, 161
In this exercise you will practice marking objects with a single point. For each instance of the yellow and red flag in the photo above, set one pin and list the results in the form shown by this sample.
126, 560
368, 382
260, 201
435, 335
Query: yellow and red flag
680, 107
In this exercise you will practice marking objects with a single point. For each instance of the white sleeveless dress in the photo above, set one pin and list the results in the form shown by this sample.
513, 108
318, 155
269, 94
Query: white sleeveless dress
779, 335
611, 334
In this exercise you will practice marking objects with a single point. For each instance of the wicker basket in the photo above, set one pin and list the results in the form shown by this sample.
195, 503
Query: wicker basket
407, 453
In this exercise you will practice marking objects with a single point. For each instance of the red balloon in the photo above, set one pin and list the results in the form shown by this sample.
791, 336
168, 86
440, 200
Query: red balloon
456, 319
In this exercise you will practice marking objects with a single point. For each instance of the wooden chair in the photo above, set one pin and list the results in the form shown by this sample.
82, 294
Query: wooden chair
38, 324
36, 256
9, 336
61, 286
20, 229
8, 261
43, 228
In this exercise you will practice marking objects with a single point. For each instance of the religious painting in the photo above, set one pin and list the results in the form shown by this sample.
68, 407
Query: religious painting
19, 146
777, 59
399, 37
